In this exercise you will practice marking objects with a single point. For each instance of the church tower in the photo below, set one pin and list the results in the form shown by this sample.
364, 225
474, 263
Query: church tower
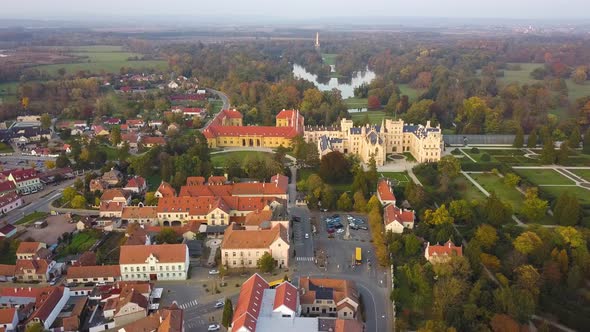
317, 40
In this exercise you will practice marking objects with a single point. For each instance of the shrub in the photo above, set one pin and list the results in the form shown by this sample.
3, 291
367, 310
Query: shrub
485, 157
456, 151
474, 150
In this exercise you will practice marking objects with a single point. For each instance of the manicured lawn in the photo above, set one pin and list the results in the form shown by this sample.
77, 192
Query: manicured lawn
492, 182
509, 156
585, 173
82, 242
543, 176
103, 58
353, 102
218, 159
5, 148
582, 194
522, 76
399, 176
29, 218
467, 190
412, 93
375, 117
578, 159
329, 58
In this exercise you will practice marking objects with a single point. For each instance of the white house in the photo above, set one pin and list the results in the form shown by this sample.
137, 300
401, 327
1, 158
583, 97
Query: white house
154, 262
173, 85
243, 248
9, 202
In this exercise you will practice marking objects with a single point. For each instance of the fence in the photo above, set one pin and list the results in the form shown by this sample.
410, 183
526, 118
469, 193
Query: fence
480, 139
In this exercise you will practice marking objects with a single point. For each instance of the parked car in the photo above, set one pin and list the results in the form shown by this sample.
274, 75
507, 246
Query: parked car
219, 304
306, 235
363, 227
341, 230
213, 327
214, 271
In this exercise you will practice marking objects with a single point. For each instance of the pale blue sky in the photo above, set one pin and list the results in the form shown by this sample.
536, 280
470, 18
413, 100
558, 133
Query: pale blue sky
299, 9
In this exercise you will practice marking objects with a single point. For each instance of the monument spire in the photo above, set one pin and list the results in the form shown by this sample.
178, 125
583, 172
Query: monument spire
317, 40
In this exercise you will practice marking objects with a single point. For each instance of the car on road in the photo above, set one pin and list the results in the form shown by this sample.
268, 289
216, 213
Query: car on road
52, 282
214, 271
219, 304
340, 230
306, 235
213, 327
363, 227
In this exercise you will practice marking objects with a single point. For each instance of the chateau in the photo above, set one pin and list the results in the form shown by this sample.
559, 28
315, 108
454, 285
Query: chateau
227, 130
425, 143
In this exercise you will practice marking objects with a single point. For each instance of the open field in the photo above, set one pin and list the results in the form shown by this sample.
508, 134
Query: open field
329, 58
509, 156
412, 93
399, 176
582, 194
584, 173
543, 177
467, 190
522, 76
8, 91
492, 182
29, 218
218, 159
353, 102
102, 58
375, 117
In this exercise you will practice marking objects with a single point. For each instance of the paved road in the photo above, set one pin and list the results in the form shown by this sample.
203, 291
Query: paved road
224, 98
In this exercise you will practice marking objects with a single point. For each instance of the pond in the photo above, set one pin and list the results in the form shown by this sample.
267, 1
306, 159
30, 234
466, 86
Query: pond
346, 89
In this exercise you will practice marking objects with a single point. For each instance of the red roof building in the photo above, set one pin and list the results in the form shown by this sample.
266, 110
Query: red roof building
442, 253
384, 192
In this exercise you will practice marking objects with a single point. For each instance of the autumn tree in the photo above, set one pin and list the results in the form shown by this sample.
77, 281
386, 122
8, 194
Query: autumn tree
511, 179
534, 208
167, 235
461, 210
69, 193
527, 242
49, 164
115, 135
360, 202
496, 212
344, 202
45, 121
567, 210
439, 216
419, 112
373, 102
151, 199
575, 138
586, 142
532, 140
78, 202
334, 167
579, 75
486, 235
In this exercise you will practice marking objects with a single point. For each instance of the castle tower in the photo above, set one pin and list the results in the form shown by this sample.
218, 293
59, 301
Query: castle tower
317, 40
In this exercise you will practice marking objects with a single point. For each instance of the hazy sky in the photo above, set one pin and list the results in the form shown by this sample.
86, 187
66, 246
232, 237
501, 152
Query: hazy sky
299, 9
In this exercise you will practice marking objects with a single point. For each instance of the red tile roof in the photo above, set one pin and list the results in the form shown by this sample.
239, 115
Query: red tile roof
216, 180
166, 189
446, 249
286, 295
8, 198
28, 247
231, 114
165, 253
7, 186
7, 270
24, 174
46, 302
249, 301
281, 181
94, 271
153, 140
384, 191
139, 212
40, 266
136, 182
7, 316
253, 239
111, 206
200, 206
195, 181
392, 213
261, 131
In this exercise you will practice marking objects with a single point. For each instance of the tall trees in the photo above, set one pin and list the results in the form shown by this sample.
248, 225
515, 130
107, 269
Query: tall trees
228, 313
548, 152
567, 210
496, 212
519, 138
575, 138
586, 143
440, 216
344, 202
266, 263
45, 121
334, 167
527, 242
533, 208
532, 141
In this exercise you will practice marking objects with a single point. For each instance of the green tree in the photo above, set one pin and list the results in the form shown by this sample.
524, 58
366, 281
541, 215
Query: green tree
527, 242
344, 202
123, 152
548, 152
567, 210
360, 182
461, 210
62, 161
571, 236
511, 179
534, 208
167, 235
78, 202
440, 216
34, 327
575, 138
115, 135
449, 166
486, 235
69, 193
228, 313
334, 168
266, 263
45, 121
532, 141
373, 203
419, 112
372, 175
360, 203
496, 212
518, 139
563, 153
328, 197
586, 142
151, 199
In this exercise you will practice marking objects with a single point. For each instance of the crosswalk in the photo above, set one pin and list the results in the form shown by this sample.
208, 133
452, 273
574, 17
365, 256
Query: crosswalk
304, 259
188, 304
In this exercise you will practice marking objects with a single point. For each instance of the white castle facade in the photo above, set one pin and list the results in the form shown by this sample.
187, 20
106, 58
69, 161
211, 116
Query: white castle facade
425, 143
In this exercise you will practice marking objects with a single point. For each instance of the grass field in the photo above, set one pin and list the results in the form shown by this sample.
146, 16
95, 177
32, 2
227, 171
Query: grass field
103, 58
375, 117
399, 176
8, 257
356, 102
584, 173
515, 157
329, 58
81, 242
412, 93
5, 148
492, 182
218, 159
467, 190
582, 194
8, 92
111, 152
543, 176
29, 218
522, 76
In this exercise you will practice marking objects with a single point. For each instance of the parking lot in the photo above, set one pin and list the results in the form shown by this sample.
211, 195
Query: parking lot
56, 226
